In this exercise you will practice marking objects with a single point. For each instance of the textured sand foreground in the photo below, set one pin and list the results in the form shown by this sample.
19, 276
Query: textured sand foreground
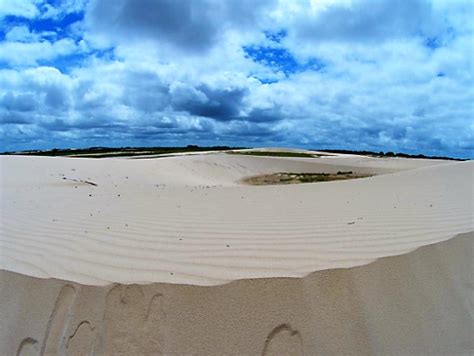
120, 255
415, 304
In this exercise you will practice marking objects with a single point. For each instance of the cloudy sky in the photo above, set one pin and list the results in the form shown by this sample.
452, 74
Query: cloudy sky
354, 74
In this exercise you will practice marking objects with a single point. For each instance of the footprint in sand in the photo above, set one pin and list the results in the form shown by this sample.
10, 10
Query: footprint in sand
283, 340
132, 326
81, 341
28, 347
155, 320
123, 318
55, 339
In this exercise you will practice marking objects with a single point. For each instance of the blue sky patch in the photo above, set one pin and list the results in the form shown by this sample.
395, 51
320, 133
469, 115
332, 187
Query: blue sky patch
275, 36
280, 59
59, 26
433, 42
66, 63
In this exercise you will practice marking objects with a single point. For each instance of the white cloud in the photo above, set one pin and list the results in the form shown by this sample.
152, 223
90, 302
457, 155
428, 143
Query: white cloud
21, 53
61, 9
20, 34
23, 8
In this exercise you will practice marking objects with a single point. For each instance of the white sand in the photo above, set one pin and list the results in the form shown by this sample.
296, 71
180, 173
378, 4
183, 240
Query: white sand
185, 222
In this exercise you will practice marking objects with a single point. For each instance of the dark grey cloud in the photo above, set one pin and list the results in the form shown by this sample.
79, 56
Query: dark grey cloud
18, 102
145, 91
221, 104
14, 117
56, 97
265, 115
186, 23
190, 25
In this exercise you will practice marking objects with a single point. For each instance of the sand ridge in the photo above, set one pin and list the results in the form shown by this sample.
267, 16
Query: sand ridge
187, 220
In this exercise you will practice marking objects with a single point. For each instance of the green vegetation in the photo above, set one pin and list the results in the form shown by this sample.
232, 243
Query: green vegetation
101, 152
295, 178
274, 154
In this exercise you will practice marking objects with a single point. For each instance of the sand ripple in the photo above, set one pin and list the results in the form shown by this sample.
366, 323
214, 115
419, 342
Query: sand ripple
187, 220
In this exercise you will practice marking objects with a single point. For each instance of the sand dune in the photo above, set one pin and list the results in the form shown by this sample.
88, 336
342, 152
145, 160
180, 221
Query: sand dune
176, 256
188, 220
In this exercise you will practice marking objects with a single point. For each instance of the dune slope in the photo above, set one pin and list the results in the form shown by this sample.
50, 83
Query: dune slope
187, 219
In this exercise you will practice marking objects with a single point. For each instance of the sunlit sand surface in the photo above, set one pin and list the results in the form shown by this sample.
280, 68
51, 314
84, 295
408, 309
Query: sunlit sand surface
119, 255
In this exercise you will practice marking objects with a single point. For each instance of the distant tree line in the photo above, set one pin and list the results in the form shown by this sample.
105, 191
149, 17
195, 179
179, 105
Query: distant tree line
99, 152
389, 154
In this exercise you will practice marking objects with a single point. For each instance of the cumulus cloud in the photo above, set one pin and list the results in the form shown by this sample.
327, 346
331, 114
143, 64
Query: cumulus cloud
30, 53
191, 26
24, 8
18, 102
377, 75
217, 103
61, 9
20, 34
370, 21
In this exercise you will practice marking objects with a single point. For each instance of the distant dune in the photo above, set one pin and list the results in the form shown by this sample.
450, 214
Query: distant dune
176, 256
